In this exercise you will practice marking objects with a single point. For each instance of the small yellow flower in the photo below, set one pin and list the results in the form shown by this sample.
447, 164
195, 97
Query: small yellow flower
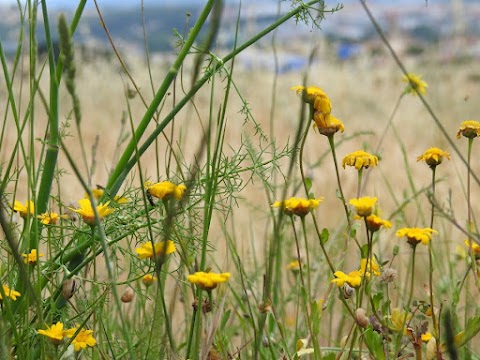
148, 279
98, 193
474, 247
433, 156
370, 268
50, 218
24, 210
297, 206
416, 235
415, 82
364, 205
327, 124
426, 337
314, 96
55, 333
374, 223
354, 278
399, 320
83, 339
469, 129
12, 294
294, 266
207, 281
165, 190
32, 257
360, 159
146, 250
87, 213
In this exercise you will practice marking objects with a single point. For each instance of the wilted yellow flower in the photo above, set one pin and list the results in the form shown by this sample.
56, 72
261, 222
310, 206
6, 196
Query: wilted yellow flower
24, 210
55, 333
12, 294
165, 189
297, 206
360, 159
50, 218
374, 223
469, 129
354, 278
208, 281
399, 320
364, 205
416, 235
415, 82
327, 124
369, 267
87, 213
98, 193
32, 257
146, 250
433, 156
83, 339
314, 96
148, 279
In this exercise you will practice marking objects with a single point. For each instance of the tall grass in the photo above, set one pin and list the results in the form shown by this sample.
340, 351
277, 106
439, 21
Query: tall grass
218, 247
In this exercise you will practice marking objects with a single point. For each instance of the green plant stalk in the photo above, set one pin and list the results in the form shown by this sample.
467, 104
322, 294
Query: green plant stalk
469, 221
359, 181
125, 164
436, 330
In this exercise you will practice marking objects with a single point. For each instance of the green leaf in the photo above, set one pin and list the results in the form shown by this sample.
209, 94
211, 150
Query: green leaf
225, 318
329, 356
364, 251
374, 343
377, 298
308, 183
324, 236
472, 329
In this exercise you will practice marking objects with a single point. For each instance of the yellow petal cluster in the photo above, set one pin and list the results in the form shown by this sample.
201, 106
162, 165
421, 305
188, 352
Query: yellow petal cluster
416, 235
469, 129
297, 206
55, 333
86, 211
433, 156
415, 83
474, 247
50, 218
98, 193
399, 320
207, 281
368, 267
10, 293
360, 159
148, 279
146, 250
83, 339
24, 210
374, 223
165, 190
354, 278
364, 205
31, 258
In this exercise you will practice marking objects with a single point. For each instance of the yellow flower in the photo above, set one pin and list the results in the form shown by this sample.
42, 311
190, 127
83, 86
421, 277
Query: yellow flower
327, 124
12, 294
354, 278
469, 129
474, 247
416, 235
87, 213
433, 156
426, 337
165, 190
83, 339
50, 218
24, 210
297, 206
364, 205
360, 159
207, 281
55, 333
98, 193
415, 82
399, 320
316, 97
148, 279
146, 250
374, 223
32, 257
294, 266
371, 268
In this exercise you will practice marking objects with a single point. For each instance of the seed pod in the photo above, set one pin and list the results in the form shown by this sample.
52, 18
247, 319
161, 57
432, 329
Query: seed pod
128, 295
68, 288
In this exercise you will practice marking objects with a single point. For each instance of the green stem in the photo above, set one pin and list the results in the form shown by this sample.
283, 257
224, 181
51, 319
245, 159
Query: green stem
430, 259
359, 181
412, 280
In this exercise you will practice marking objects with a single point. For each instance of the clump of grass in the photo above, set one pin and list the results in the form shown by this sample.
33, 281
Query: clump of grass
162, 266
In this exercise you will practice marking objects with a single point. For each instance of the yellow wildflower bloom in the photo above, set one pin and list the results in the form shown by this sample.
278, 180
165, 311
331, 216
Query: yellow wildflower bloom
426, 337
146, 250
415, 82
474, 247
165, 189
98, 193
208, 281
55, 333
12, 294
360, 159
371, 268
86, 211
469, 129
327, 124
433, 156
314, 96
399, 320
83, 339
50, 218
374, 223
354, 278
148, 279
24, 210
297, 206
364, 205
416, 235
32, 257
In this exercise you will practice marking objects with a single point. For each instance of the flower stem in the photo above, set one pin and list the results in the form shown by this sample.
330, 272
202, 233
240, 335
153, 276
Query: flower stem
430, 259
412, 279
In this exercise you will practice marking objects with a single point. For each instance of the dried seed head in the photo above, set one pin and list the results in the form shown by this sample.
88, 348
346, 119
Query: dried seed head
389, 275
128, 295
